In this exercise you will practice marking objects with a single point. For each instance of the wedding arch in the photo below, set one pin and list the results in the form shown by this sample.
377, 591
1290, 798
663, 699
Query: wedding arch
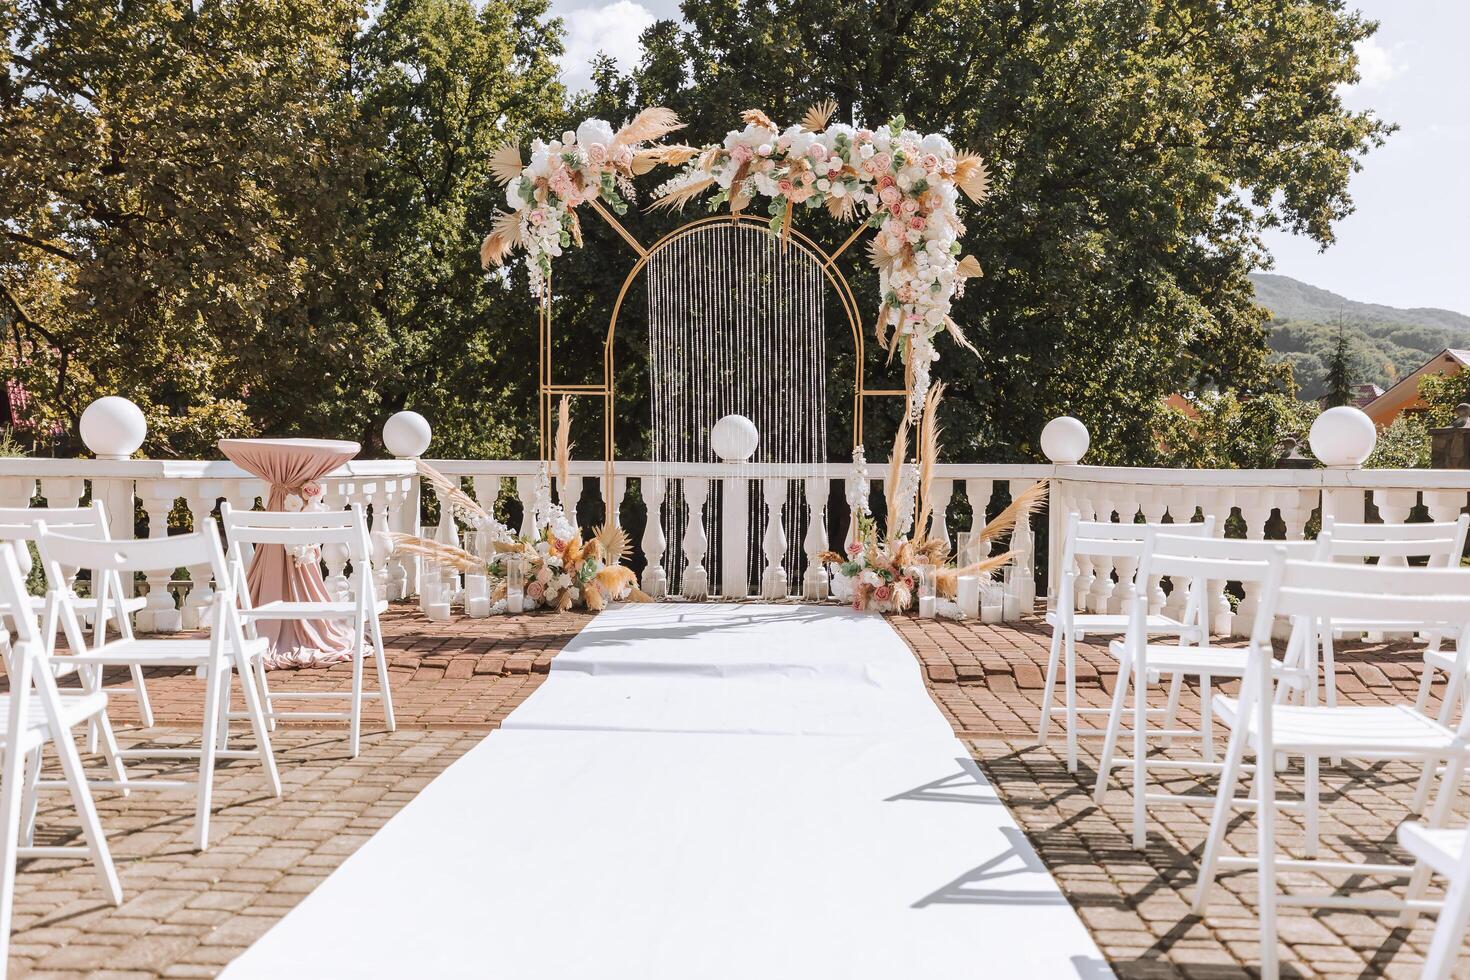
899, 184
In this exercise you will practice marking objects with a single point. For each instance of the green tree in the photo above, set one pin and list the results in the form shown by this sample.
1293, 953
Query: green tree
1139, 150
1339, 379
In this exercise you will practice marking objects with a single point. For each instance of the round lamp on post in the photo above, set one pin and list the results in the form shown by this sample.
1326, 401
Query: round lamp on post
113, 427
407, 435
1064, 441
734, 438
1342, 437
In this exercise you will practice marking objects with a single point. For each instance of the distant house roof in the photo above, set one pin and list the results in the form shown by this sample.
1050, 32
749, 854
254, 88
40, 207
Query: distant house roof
1362, 395
1180, 403
1404, 396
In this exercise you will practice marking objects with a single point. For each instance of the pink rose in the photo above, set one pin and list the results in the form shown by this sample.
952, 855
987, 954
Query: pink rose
596, 154
818, 152
864, 135
855, 549
908, 582
930, 162
890, 195
857, 604
896, 210
916, 223
909, 206
543, 575
880, 162
786, 187
883, 593
535, 590
624, 155
537, 216
885, 181
311, 489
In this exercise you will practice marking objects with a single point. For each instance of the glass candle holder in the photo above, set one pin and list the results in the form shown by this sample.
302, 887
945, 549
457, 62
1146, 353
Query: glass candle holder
928, 590
515, 585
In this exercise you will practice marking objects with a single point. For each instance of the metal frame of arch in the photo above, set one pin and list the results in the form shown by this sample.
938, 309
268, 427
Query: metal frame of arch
549, 389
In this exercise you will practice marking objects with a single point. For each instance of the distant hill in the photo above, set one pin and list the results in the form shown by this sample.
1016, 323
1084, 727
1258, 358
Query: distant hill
1387, 342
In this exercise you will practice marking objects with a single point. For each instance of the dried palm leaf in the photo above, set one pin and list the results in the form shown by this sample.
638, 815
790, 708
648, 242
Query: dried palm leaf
879, 256
757, 118
969, 268
895, 470
505, 235
739, 200
614, 543
828, 557
564, 443
576, 230
841, 208
564, 600
880, 327
446, 488
437, 551
953, 329
971, 176
673, 156
505, 163
1020, 508
948, 578
677, 198
928, 455
818, 116
650, 124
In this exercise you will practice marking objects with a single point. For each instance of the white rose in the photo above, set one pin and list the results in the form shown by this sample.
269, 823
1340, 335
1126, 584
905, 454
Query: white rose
839, 190
513, 195
937, 145
934, 317
824, 185
594, 131
903, 182
293, 503
798, 140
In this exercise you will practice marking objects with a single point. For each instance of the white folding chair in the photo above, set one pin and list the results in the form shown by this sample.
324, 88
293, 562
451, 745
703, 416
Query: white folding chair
19, 524
1442, 850
1124, 543
1440, 544
1311, 593
224, 653
34, 713
1200, 561
360, 610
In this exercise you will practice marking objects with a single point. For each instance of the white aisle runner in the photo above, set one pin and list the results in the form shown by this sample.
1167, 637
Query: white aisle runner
740, 792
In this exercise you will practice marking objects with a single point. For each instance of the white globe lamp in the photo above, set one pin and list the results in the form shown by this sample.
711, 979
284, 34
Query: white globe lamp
734, 438
407, 435
1064, 441
1342, 437
113, 427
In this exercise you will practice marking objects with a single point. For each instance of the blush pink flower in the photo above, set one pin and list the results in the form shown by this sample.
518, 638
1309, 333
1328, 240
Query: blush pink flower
311, 489
929, 162
880, 162
909, 207
740, 154
885, 181
786, 187
536, 590
883, 593
890, 195
561, 183
596, 154
916, 223
817, 152
864, 135
857, 604
855, 549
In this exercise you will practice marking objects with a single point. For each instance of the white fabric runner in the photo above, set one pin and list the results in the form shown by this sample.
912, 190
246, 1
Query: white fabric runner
740, 791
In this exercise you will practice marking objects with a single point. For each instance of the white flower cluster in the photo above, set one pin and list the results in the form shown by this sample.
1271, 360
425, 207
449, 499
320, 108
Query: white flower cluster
908, 494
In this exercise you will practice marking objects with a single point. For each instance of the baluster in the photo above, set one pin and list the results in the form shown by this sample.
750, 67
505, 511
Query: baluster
695, 583
978, 493
1180, 512
1394, 507
1444, 505
1126, 588
619, 491
526, 494
1218, 503
1255, 510
334, 556
195, 611
58, 492
1020, 575
1296, 510
569, 495
773, 579
16, 491
1087, 568
941, 493
1151, 505
814, 584
381, 496
655, 579
159, 615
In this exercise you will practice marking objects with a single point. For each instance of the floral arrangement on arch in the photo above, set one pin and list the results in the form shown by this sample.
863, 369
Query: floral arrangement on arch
592, 162
903, 183
564, 568
881, 573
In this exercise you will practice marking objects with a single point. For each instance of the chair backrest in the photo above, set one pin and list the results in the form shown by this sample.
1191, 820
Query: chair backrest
1222, 559
19, 523
1441, 542
309, 527
14, 598
1105, 539
1333, 590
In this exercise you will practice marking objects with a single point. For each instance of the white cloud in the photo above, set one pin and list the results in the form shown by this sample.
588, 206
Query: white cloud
612, 29
1376, 65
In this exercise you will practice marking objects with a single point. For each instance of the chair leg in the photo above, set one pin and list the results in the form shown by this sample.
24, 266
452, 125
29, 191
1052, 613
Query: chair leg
385, 690
354, 738
1329, 670
81, 797
1115, 727
206, 754
1219, 820
1140, 752
267, 704
10, 805
1449, 788
1449, 932
1313, 794
1171, 711
30, 796
1206, 718
145, 706
1070, 653
256, 710
1266, 876
222, 730
1048, 691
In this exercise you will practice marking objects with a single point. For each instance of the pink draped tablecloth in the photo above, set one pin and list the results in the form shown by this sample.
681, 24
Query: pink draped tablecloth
274, 575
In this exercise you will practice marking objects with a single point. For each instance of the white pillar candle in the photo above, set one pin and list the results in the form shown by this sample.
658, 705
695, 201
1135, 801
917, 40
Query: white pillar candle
926, 607
967, 595
515, 601
437, 611
477, 606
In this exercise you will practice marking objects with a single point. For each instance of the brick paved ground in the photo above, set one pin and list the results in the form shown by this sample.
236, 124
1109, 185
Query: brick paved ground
187, 913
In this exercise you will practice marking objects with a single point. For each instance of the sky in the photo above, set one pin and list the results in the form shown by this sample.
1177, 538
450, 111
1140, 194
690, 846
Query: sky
1408, 242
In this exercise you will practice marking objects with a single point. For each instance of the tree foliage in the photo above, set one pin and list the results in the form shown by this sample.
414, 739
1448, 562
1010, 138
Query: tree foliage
261, 216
